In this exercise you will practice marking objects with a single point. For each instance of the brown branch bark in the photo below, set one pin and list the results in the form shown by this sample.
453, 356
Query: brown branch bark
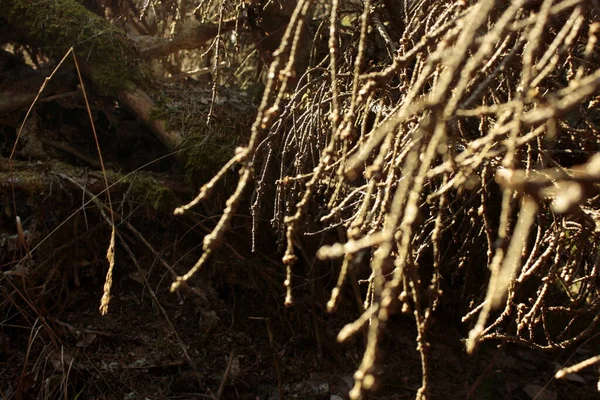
193, 36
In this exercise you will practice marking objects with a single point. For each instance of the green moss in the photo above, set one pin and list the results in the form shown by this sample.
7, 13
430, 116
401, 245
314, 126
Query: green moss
146, 190
205, 151
141, 187
207, 143
57, 25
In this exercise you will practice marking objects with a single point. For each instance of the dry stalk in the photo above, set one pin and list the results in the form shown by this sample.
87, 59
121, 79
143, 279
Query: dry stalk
420, 154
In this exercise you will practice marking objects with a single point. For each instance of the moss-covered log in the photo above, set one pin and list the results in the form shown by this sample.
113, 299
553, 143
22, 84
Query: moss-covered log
111, 60
109, 57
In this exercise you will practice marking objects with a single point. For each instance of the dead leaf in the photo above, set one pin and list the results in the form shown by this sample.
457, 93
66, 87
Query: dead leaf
538, 392
86, 339
571, 377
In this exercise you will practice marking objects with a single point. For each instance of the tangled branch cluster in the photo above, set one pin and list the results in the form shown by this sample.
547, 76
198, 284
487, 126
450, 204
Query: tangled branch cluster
446, 140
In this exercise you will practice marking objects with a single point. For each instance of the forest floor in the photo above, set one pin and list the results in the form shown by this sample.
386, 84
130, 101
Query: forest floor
243, 344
